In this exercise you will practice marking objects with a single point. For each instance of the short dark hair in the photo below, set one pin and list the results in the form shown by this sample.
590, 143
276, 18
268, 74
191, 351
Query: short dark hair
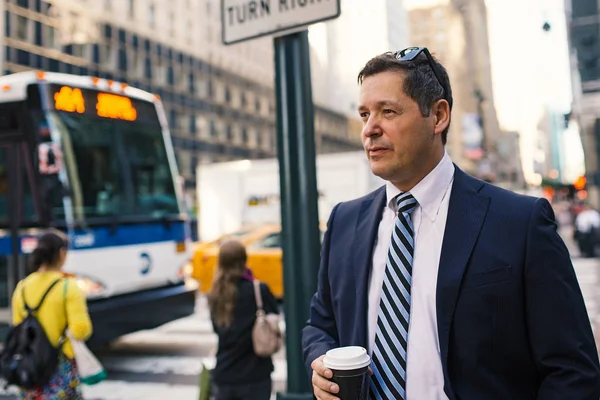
420, 82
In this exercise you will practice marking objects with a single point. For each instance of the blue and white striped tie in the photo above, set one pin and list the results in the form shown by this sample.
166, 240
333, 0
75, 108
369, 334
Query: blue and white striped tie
389, 353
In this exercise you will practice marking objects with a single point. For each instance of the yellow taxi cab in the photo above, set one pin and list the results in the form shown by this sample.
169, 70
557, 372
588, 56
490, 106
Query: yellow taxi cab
263, 246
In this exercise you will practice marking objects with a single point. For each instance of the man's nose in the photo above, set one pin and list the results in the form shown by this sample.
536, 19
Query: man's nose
371, 128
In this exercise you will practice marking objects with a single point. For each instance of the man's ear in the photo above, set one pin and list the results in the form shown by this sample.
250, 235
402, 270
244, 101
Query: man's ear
441, 112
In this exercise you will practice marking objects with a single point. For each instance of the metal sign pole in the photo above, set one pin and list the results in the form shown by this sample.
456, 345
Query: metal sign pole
299, 210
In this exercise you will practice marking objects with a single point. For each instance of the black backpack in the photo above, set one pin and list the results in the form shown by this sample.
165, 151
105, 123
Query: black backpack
28, 359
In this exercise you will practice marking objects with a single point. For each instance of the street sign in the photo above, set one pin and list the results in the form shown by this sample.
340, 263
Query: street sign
248, 19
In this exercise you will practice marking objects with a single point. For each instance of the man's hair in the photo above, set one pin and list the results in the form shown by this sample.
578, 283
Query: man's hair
420, 83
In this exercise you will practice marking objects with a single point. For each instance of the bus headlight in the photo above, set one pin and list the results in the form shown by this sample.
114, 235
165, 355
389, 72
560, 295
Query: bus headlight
185, 271
185, 274
89, 287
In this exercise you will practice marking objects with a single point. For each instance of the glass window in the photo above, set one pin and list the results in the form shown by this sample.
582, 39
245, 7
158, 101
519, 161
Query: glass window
22, 27
271, 241
227, 95
116, 168
151, 16
131, 9
49, 162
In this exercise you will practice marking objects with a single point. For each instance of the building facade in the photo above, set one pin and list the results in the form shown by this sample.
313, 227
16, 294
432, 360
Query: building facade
456, 33
343, 46
584, 41
219, 99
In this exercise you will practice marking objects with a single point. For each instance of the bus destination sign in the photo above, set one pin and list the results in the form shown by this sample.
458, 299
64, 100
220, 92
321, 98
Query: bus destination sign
101, 104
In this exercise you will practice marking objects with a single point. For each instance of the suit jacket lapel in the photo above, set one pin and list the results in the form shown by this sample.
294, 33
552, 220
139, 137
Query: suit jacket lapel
365, 236
466, 213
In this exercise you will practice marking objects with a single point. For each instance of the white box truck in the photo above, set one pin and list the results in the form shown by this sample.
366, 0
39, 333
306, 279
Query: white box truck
235, 194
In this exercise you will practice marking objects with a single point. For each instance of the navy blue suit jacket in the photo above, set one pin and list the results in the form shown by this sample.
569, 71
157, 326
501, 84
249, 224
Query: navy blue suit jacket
512, 323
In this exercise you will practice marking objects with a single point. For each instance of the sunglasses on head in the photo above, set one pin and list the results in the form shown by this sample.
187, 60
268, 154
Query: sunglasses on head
411, 53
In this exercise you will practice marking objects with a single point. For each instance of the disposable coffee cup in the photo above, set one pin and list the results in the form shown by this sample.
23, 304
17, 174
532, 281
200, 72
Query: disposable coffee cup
350, 366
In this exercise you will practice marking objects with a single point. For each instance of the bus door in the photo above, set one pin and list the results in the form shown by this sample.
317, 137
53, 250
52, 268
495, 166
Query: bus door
19, 206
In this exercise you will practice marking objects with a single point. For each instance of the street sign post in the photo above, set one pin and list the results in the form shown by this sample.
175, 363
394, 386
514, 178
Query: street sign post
248, 19
244, 20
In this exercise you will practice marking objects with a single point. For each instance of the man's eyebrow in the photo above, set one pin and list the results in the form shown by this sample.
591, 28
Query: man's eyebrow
381, 103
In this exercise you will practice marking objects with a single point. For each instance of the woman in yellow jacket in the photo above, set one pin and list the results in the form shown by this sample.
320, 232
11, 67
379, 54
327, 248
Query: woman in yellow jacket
64, 307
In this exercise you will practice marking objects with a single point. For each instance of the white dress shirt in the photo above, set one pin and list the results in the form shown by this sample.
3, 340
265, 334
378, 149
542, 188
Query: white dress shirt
424, 376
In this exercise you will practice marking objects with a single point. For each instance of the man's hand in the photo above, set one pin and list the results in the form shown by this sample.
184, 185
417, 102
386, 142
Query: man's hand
323, 388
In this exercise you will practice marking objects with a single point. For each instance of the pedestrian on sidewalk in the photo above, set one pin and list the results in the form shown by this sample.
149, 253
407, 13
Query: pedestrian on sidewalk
458, 289
587, 226
64, 307
239, 373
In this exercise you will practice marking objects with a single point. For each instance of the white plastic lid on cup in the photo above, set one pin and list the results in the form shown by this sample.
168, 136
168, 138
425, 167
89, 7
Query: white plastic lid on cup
347, 358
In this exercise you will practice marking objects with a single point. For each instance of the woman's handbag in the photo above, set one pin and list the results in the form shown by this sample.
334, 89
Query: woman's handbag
90, 369
266, 335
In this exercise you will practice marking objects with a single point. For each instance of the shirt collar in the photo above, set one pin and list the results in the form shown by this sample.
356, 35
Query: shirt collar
430, 191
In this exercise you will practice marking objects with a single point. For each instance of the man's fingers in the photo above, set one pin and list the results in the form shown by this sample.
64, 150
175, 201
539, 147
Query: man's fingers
323, 388
320, 368
324, 384
323, 395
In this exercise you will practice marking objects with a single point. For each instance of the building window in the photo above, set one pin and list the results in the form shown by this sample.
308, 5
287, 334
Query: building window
22, 25
259, 137
257, 105
210, 89
244, 136
229, 133
171, 24
151, 15
50, 37
244, 100
213, 130
227, 95
79, 50
108, 55
131, 9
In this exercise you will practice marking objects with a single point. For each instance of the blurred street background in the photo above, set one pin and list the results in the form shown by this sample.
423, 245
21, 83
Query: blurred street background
185, 154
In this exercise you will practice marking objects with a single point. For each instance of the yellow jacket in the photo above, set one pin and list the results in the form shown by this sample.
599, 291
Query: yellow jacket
58, 308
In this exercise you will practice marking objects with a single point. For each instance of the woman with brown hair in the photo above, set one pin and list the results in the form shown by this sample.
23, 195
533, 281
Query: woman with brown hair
239, 373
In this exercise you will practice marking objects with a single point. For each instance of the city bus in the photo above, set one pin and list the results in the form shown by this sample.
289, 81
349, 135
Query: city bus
93, 158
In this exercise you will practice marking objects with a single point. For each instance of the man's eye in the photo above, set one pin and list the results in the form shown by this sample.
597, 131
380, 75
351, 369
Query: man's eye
387, 111
364, 115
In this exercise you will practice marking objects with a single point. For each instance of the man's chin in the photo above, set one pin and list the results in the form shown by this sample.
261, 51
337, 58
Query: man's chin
380, 170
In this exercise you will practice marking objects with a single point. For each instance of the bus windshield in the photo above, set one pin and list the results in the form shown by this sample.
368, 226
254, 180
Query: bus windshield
115, 168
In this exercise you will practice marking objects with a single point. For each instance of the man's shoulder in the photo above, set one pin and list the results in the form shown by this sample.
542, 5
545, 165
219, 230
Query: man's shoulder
504, 198
498, 193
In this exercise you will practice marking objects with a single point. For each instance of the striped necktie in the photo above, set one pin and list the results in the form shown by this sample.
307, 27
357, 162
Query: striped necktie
389, 353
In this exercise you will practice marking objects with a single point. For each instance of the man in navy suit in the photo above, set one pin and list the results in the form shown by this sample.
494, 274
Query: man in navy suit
458, 289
